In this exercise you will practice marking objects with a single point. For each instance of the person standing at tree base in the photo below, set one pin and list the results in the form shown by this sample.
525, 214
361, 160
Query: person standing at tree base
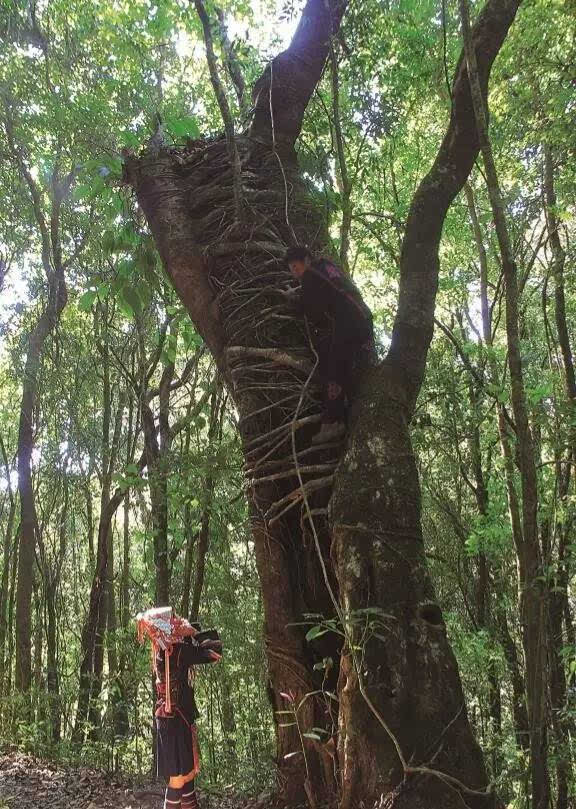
341, 329
177, 646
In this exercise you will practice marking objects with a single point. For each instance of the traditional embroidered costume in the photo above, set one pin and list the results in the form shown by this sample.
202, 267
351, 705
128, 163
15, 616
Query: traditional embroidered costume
177, 646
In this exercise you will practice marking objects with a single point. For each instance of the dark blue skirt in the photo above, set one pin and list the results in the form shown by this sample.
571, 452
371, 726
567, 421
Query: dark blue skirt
177, 747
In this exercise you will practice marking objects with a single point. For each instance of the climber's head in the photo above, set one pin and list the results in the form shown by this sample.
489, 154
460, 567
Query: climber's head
298, 259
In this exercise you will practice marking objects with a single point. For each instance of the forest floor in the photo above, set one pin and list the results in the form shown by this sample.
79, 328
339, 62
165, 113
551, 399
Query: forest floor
30, 783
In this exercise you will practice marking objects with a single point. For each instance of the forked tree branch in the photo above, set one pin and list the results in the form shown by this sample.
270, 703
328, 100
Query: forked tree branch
283, 91
419, 263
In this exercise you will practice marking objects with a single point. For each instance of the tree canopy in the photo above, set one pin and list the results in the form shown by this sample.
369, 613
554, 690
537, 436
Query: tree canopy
124, 452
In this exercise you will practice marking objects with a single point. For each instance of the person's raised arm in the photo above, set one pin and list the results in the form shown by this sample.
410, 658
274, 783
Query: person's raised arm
197, 653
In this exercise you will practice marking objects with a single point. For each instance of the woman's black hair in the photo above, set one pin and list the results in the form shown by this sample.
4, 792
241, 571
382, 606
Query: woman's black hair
297, 253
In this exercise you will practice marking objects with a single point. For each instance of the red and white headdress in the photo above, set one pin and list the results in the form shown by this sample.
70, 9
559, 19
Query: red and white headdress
163, 627
164, 630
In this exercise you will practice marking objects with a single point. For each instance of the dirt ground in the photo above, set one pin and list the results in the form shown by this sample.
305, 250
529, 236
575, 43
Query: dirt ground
30, 783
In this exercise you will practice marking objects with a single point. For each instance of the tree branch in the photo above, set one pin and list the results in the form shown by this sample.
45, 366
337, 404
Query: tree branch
419, 263
220, 93
283, 91
234, 68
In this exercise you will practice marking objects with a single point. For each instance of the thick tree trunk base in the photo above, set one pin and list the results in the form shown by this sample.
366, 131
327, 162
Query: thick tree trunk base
428, 792
228, 274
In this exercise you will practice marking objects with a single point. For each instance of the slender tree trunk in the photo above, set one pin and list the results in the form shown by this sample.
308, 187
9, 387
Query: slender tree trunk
111, 636
92, 627
97, 661
28, 522
51, 569
7, 550
111, 619
190, 535
533, 592
158, 483
11, 617
484, 616
519, 711
93, 633
191, 543
216, 413
126, 680
157, 442
39, 702
558, 691
229, 726
519, 693
89, 521
559, 595
52, 678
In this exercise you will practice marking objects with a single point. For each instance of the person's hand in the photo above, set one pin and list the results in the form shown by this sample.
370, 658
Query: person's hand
210, 643
290, 293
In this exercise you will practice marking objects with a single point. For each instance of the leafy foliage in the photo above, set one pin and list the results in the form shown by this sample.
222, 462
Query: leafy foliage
82, 83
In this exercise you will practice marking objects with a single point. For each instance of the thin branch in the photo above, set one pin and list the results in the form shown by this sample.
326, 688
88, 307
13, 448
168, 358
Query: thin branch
232, 63
224, 107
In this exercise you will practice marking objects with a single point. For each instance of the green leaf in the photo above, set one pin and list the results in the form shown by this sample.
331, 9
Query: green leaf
131, 296
183, 127
87, 299
169, 355
316, 632
311, 735
129, 139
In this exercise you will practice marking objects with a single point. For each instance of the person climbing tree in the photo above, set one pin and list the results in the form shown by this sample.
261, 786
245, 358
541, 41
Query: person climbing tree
341, 328
177, 646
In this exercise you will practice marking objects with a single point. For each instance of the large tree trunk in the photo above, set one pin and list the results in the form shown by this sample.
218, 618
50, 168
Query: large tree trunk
227, 273
401, 699
255, 335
